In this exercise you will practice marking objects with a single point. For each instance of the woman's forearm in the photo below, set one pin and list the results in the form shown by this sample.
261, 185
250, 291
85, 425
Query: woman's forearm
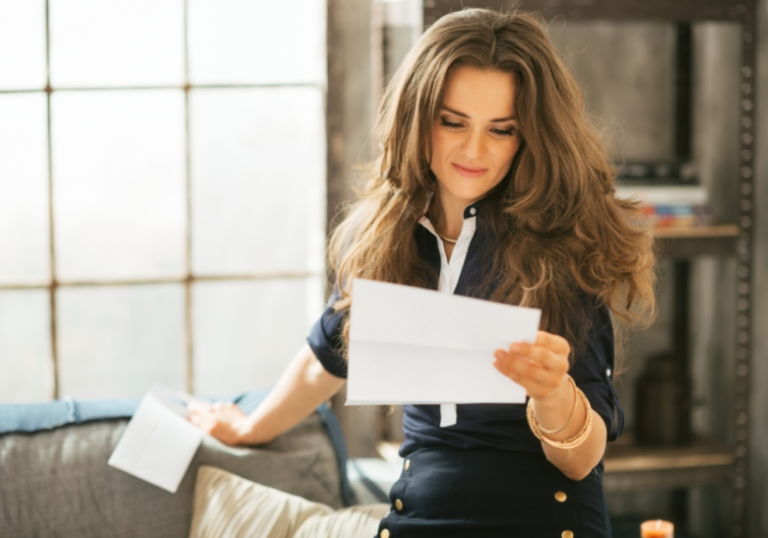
552, 412
303, 386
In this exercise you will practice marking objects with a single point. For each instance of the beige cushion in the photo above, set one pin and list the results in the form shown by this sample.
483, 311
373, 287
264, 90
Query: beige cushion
354, 522
228, 506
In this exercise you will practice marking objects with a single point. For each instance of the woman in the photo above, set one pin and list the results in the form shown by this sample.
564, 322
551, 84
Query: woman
490, 184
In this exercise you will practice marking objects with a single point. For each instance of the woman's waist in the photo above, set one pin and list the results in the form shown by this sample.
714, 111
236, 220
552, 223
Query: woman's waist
480, 460
495, 427
497, 432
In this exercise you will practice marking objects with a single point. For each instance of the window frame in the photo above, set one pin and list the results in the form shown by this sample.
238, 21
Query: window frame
188, 278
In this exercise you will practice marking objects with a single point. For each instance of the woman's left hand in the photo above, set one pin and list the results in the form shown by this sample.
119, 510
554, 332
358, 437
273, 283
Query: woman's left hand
540, 368
223, 420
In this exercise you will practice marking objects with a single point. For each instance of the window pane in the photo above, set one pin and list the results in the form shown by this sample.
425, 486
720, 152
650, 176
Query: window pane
118, 169
246, 41
246, 333
25, 346
24, 249
258, 175
22, 44
117, 43
118, 341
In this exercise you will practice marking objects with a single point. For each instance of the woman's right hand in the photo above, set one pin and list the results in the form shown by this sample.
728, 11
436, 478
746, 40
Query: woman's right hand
224, 421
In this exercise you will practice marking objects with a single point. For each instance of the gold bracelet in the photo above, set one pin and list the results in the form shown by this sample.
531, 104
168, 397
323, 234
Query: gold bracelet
573, 410
567, 444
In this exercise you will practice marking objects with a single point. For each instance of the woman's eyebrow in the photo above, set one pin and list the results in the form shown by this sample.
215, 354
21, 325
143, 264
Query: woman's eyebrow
498, 120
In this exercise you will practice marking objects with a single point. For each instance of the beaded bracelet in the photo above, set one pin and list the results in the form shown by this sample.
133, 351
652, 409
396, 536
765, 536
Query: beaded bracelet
567, 444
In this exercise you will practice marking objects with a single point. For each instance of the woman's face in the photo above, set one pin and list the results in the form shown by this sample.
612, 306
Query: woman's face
475, 136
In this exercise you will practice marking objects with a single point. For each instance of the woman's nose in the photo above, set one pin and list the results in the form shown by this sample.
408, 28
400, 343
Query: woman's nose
474, 144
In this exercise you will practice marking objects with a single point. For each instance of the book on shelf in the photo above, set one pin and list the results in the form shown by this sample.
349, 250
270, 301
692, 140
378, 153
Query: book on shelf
669, 193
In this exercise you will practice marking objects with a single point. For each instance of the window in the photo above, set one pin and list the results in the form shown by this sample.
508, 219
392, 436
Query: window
162, 193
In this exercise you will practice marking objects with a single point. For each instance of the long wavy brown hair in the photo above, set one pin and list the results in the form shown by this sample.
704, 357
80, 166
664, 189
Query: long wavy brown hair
560, 234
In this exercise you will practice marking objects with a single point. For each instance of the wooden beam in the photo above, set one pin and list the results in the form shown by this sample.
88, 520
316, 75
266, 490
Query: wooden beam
631, 10
334, 112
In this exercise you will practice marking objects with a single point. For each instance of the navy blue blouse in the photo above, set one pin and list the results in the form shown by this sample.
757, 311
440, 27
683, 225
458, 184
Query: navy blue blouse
501, 426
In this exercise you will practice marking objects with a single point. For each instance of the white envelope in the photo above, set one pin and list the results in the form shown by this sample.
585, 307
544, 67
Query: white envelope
414, 346
159, 442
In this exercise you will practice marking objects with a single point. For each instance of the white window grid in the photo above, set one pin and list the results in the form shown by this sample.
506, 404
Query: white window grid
188, 278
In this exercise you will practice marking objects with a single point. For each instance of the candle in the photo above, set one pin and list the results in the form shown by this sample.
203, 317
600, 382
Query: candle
657, 529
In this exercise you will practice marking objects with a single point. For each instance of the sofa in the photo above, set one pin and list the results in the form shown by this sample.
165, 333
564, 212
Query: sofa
55, 481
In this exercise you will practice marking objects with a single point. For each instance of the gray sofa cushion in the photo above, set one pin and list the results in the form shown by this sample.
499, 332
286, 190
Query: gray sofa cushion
58, 483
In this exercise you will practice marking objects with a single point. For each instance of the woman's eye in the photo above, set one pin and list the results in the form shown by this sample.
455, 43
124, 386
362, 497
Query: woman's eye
450, 125
503, 132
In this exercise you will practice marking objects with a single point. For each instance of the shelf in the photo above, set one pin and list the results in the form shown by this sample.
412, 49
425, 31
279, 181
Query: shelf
720, 230
677, 10
629, 467
684, 243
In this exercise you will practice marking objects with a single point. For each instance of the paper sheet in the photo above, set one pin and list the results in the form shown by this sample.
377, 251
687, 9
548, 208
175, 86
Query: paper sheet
415, 346
159, 442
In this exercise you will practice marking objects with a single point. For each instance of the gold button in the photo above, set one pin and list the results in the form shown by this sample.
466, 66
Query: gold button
407, 464
560, 496
384, 534
398, 504
566, 534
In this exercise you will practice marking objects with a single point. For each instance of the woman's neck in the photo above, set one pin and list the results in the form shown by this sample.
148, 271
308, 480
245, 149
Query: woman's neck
447, 215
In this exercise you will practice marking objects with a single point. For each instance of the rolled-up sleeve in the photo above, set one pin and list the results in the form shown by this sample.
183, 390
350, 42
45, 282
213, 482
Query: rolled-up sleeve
326, 341
592, 371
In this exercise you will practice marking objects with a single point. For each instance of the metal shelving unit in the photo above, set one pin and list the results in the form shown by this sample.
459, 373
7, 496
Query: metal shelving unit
629, 467
704, 462
686, 243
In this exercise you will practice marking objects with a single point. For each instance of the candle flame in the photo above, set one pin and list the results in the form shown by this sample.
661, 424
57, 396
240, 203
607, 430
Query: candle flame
658, 524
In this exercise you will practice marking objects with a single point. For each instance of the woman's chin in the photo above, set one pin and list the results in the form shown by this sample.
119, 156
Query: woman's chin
469, 194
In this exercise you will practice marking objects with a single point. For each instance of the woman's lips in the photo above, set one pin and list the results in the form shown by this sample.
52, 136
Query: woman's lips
469, 172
